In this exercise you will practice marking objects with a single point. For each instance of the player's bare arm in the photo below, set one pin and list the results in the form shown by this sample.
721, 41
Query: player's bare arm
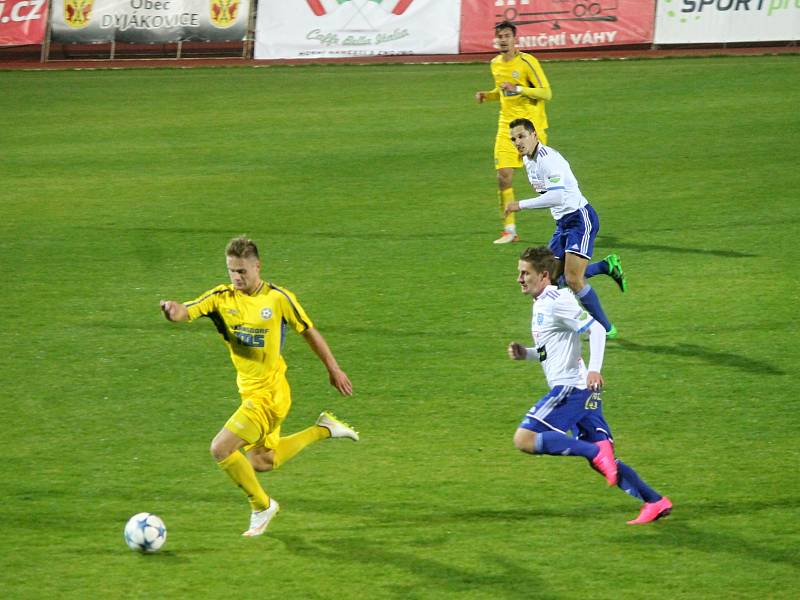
511, 207
336, 376
174, 311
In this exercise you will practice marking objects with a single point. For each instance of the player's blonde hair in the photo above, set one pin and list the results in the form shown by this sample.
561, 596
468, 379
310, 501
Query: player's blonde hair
542, 260
242, 247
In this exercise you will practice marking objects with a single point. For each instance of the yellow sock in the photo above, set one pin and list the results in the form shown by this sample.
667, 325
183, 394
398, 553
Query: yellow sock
506, 196
292, 444
241, 471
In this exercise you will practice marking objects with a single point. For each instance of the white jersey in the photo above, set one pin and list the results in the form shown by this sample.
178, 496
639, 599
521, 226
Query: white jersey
557, 323
548, 171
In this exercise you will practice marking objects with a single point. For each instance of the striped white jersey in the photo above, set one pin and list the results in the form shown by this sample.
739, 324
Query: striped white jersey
548, 171
556, 326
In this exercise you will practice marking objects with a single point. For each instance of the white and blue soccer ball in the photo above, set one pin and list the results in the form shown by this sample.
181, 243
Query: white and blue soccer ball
145, 532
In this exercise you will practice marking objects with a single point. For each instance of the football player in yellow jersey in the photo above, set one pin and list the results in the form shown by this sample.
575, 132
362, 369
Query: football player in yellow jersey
522, 89
252, 316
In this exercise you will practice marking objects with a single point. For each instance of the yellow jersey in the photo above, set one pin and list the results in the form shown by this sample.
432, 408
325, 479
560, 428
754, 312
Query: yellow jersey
253, 327
525, 71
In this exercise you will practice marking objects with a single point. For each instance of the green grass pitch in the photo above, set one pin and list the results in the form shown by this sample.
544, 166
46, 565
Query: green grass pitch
371, 192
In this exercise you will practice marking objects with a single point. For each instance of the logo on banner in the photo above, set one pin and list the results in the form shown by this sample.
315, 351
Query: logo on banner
360, 14
696, 8
78, 12
559, 23
556, 11
224, 13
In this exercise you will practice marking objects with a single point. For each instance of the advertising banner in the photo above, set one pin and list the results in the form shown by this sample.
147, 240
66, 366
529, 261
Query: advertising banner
339, 28
148, 21
22, 22
558, 24
719, 21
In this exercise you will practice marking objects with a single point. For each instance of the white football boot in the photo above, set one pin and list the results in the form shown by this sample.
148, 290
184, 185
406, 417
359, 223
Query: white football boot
338, 429
260, 519
507, 237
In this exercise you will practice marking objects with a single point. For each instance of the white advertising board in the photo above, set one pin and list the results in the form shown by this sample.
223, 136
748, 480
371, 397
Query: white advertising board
353, 28
726, 21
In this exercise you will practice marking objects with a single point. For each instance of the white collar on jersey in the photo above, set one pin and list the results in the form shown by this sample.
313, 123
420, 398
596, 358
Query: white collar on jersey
552, 286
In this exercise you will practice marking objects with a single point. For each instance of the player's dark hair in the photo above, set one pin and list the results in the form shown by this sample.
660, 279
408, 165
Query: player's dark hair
506, 25
526, 123
242, 247
541, 259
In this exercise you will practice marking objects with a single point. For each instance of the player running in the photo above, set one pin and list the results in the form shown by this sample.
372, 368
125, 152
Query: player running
577, 222
522, 89
573, 402
252, 316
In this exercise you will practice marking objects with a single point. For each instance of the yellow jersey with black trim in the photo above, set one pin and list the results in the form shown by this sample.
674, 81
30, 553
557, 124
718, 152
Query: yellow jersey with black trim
253, 327
526, 71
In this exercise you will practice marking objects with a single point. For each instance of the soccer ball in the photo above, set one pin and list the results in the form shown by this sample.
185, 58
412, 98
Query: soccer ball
145, 532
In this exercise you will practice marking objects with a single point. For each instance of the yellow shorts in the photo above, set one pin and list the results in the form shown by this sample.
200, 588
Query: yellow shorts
505, 154
258, 418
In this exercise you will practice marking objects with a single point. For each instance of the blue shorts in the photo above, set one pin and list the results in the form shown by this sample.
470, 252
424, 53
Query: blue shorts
575, 233
565, 408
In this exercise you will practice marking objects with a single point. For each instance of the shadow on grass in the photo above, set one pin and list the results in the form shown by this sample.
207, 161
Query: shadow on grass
365, 235
173, 556
616, 244
495, 576
429, 546
430, 557
394, 515
688, 529
723, 359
